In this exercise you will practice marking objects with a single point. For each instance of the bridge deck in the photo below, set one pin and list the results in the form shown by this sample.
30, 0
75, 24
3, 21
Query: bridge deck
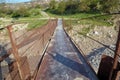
61, 61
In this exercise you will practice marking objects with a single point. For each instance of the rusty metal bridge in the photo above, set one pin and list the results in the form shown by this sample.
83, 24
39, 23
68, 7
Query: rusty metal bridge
48, 53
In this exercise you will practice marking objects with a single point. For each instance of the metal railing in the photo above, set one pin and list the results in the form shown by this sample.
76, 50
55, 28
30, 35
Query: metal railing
111, 64
23, 50
90, 70
115, 71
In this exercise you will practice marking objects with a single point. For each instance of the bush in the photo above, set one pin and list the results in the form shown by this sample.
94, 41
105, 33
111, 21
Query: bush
61, 7
22, 12
75, 6
34, 12
16, 14
2, 15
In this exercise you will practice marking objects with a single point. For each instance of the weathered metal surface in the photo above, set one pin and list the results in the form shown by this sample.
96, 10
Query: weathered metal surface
61, 61
116, 57
117, 76
26, 51
15, 51
105, 67
14, 72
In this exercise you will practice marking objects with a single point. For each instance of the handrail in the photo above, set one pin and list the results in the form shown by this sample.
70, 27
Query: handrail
42, 38
80, 51
116, 56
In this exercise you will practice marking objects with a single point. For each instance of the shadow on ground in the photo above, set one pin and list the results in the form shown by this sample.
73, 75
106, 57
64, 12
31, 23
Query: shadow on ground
96, 52
4, 65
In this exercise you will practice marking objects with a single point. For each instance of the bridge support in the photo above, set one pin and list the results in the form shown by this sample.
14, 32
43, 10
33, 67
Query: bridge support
115, 69
110, 67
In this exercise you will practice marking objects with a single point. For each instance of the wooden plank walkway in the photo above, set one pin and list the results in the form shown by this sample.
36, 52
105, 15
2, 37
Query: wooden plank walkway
61, 61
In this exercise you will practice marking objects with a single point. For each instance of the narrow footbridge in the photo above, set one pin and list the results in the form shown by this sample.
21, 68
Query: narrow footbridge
45, 53
63, 61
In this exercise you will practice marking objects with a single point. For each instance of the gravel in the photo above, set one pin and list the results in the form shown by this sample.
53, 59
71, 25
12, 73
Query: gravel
100, 40
96, 59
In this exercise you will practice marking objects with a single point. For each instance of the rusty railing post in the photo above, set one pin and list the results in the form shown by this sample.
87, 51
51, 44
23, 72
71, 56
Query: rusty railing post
117, 54
43, 40
15, 51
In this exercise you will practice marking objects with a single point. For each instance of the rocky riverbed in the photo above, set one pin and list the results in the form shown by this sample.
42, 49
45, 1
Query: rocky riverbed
100, 40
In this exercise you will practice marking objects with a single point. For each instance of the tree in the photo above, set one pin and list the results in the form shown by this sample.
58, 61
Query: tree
75, 6
21, 12
71, 6
52, 4
83, 6
108, 6
93, 5
61, 7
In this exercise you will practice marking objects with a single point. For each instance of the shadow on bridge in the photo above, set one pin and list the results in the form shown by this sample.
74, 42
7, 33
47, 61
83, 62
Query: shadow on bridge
69, 63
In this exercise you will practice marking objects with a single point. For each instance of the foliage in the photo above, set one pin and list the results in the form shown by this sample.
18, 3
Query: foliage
34, 12
21, 11
88, 23
61, 7
108, 6
76, 6
52, 4
36, 24
32, 22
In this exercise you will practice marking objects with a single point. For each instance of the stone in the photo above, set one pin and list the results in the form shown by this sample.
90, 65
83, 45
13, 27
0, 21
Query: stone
78, 21
87, 34
110, 35
96, 33
78, 79
112, 46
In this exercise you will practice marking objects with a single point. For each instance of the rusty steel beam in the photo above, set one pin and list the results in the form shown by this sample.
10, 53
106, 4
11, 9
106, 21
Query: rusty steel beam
46, 30
15, 51
117, 51
116, 56
49, 30
32, 35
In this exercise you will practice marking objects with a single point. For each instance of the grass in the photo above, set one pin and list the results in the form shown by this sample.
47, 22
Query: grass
86, 30
36, 24
93, 18
77, 15
91, 22
32, 22
98, 21
0, 22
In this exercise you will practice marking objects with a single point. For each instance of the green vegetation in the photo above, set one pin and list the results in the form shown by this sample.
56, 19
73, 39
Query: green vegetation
22, 11
22, 14
90, 22
99, 21
0, 21
32, 23
79, 6
86, 30
109, 6
36, 24
77, 15
85, 12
